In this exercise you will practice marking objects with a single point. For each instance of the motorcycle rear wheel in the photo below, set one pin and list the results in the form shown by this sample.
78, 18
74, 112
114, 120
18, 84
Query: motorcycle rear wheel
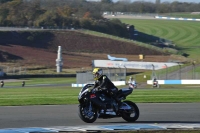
86, 115
126, 115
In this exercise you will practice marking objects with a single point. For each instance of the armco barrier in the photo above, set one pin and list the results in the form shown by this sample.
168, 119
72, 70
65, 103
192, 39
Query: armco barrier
170, 82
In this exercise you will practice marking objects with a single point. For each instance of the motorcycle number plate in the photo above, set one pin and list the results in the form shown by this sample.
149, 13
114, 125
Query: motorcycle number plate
92, 96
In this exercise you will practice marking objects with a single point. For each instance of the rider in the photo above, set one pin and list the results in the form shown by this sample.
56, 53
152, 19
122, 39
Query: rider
155, 81
131, 82
2, 83
102, 82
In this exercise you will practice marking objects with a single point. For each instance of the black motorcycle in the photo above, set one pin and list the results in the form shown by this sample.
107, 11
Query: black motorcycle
95, 104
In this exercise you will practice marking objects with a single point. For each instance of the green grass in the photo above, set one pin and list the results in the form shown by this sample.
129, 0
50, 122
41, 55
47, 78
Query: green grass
13, 95
166, 95
124, 40
182, 15
184, 34
32, 81
38, 96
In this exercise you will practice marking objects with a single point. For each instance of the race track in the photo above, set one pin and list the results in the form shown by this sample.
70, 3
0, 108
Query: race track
66, 115
46, 116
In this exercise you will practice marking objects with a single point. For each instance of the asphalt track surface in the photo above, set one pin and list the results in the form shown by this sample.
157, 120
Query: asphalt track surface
67, 115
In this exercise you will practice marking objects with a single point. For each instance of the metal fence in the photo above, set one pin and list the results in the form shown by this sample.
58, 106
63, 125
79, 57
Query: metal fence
14, 70
178, 73
119, 74
179, 76
83, 77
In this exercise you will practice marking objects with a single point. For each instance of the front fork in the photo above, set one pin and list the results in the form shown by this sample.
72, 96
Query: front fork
89, 110
90, 107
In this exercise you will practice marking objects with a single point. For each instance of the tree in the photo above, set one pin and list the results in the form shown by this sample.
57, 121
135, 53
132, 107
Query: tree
49, 18
87, 15
106, 1
65, 11
4, 1
4, 13
85, 23
157, 5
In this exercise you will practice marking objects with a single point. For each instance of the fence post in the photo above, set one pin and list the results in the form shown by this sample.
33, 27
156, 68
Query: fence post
13, 70
193, 70
166, 70
7, 70
179, 70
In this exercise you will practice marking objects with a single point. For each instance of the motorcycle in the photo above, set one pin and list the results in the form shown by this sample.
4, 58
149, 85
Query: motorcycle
2, 83
155, 84
94, 104
133, 85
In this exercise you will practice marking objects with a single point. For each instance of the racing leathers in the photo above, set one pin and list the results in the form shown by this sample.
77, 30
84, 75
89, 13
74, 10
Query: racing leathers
106, 85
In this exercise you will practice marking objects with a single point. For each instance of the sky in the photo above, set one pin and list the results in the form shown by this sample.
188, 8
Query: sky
196, 1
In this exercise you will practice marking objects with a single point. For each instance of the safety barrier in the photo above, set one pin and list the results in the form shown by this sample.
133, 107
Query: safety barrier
169, 82
116, 83
172, 18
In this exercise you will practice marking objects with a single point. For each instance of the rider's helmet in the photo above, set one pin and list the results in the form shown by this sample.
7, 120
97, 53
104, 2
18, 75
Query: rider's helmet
130, 79
97, 73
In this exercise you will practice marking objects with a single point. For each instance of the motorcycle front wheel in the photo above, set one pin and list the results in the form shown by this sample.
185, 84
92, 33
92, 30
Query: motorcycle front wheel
87, 114
131, 115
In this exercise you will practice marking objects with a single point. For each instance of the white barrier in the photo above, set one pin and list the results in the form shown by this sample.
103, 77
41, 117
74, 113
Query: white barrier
78, 85
172, 18
175, 82
116, 83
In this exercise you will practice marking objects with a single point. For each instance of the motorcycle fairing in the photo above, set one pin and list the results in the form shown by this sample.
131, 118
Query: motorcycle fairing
124, 92
84, 90
97, 101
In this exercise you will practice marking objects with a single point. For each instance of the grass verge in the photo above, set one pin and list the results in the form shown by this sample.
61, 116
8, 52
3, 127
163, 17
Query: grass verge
60, 92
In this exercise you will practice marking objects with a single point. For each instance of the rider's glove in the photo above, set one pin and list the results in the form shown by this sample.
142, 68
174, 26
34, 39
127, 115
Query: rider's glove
95, 89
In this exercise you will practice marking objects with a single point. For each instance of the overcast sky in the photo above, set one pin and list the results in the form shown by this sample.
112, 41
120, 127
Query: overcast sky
196, 1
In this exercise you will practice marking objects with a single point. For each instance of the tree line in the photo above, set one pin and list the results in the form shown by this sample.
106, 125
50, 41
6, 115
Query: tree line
81, 13
58, 14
